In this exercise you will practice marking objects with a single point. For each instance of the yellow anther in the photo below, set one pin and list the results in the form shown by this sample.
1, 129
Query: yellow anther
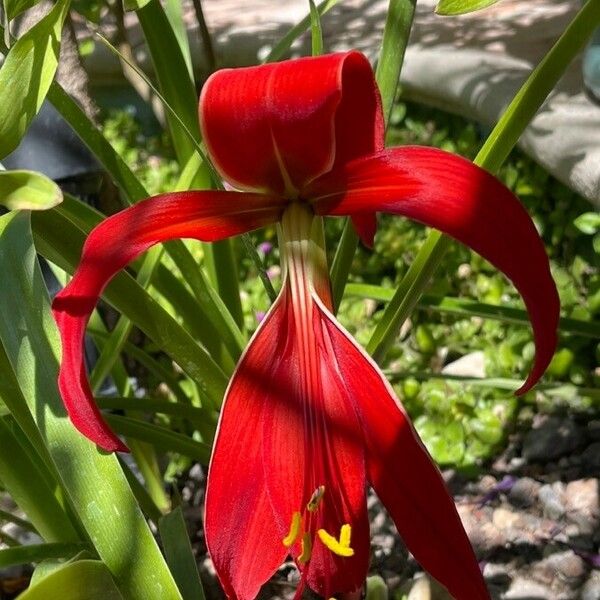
345, 533
306, 549
340, 547
294, 532
315, 499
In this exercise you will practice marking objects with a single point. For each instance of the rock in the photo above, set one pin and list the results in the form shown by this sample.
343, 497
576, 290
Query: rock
469, 365
506, 519
591, 588
565, 566
483, 534
582, 504
551, 439
524, 492
526, 589
551, 499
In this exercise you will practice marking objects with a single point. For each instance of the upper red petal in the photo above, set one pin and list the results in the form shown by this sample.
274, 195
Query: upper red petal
278, 126
453, 195
115, 242
402, 473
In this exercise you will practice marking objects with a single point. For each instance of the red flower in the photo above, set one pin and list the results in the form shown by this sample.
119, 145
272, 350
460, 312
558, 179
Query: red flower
308, 420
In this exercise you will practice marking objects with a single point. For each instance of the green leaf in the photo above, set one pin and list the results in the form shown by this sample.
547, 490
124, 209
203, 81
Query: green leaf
460, 7
179, 555
588, 223
14, 8
27, 190
79, 580
160, 437
472, 308
95, 484
26, 479
316, 30
26, 75
21, 555
285, 43
129, 5
174, 81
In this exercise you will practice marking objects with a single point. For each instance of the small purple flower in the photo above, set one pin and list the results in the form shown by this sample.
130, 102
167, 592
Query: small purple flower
273, 272
260, 315
502, 486
265, 248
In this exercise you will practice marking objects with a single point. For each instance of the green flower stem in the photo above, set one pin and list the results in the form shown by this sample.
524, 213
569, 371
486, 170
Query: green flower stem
493, 153
398, 24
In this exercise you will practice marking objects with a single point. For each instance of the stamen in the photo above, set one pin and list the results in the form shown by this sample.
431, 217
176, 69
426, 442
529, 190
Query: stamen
341, 547
294, 532
315, 499
306, 549
345, 533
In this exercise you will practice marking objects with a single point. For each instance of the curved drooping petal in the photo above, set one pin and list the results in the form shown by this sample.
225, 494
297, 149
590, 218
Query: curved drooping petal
278, 126
453, 195
114, 243
402, 472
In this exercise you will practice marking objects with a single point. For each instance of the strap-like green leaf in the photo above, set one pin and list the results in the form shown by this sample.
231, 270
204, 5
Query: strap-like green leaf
13, 8
470, 308
79, 580
94, 482
26, 75
21, 555
179, 555
27, 190
460, 7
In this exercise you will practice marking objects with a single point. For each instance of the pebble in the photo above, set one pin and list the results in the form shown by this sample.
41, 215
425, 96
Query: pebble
552, 438
582, 503
591, 588
425, 588
565, 566
526, 589
590, 457
524, 492
551, 499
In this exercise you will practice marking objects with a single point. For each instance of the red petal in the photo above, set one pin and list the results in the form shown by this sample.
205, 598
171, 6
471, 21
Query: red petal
403, 475
312, 437
242, 534
278, 126
462, 200
365, 225
206, 216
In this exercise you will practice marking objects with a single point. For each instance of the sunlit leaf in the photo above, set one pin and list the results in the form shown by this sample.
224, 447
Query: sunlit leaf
27, 190
460, 7
26, 75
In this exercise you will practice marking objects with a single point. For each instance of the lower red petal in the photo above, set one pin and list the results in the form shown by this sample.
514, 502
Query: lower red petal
313, 438
118, 240
453, 195
403, 474
242, 534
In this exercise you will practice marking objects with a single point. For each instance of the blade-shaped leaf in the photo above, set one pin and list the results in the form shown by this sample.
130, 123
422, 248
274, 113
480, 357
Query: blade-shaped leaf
28, 190
94, 482
460, 7
14, 8
179, 555
79, 580
20, 555
26, 75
